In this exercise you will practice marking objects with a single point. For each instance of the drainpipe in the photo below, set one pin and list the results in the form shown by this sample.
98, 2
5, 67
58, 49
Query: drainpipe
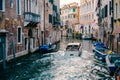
112, 18
44, 26
112, 21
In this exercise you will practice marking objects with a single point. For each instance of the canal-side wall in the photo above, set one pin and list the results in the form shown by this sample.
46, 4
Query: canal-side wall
19, 54
25, 52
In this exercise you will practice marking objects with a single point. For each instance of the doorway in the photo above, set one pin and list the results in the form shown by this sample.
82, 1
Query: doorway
26, 43
2, 47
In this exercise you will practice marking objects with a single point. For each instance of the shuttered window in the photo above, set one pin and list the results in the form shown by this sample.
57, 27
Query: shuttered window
50, 18
74, 10
106, 10
103, 12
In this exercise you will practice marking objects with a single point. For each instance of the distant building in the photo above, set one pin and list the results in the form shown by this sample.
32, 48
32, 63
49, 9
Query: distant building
69, 17
88, 18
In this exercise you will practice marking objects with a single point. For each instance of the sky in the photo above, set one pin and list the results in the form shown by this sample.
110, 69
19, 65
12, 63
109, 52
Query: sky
63, 2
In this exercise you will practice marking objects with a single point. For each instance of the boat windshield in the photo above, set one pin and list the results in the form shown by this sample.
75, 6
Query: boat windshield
72, 48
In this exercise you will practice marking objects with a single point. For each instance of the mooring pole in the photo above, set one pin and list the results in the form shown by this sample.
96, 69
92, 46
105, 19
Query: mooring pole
4, 57
13, 50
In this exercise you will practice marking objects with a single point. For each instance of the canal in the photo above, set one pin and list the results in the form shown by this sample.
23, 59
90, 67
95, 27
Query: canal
58, 65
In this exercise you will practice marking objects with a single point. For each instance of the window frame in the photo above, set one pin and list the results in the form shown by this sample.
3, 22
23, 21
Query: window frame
20, 35
3, 6
18, 7
11, 4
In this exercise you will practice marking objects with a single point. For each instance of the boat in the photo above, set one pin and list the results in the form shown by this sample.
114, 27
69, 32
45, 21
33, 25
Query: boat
113, 62
86, 37
100, 51
100, 54
98, 46
74, 48
47, 48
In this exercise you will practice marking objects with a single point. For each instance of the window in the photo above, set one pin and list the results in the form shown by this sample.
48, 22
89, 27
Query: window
119, 35
92, 16
73, 16
106, 10
66, 11
2, 5
119, 6
116, 9
65, 17
68, 16
19, 34
110, 7
74, 10
103, 14
11, 3
18, 7
37, 33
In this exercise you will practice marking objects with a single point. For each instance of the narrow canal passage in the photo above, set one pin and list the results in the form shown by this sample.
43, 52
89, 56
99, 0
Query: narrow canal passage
59, 66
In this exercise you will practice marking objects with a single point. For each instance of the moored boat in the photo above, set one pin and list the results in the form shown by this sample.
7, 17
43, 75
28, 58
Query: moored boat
100, 54
100, 51
47, 48
98, 46
113, 62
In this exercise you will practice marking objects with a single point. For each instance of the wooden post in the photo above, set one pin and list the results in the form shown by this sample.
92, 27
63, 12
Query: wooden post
4, 57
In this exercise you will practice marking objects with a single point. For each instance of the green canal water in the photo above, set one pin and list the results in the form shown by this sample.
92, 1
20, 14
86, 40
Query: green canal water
58, 66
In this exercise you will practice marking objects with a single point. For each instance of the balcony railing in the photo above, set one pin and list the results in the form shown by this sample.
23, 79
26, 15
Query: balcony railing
31, 17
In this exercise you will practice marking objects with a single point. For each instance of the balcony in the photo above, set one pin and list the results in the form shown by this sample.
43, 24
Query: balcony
31, 19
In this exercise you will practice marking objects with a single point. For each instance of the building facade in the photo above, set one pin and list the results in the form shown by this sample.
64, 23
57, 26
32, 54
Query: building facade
23, 23
18, 27
116, 31
69, 17
106, 22
50, 24
109, 23
87, 16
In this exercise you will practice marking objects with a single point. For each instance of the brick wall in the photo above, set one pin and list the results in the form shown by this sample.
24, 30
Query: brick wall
12, 21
